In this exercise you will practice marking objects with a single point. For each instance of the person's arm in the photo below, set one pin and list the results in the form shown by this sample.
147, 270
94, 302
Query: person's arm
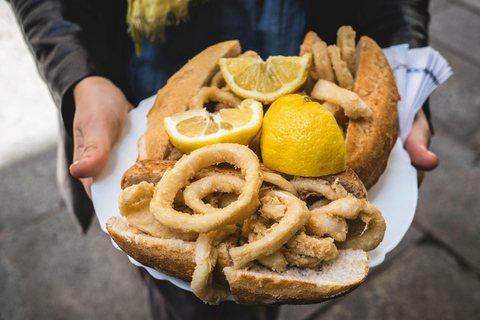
73, 55
101, 112
55, 42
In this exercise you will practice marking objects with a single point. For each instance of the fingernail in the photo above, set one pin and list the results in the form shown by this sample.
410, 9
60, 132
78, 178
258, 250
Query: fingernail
78, 162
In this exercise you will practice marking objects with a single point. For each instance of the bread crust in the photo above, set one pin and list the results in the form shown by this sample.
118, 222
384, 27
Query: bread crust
260, 285
175, 95
369, 141
152, 171
175, 257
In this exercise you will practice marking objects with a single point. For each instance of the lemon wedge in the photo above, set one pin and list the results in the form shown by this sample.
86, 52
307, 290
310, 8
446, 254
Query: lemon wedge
253, 78
300, 137
197, 128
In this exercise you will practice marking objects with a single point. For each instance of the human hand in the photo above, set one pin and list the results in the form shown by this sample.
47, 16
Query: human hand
417, 144
100, 115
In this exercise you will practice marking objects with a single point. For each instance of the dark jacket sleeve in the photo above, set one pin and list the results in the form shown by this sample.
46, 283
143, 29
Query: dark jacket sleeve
71, 40
388, 22
392, 22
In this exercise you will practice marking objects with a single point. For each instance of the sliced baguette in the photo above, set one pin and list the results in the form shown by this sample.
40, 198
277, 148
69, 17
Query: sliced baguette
256, 285
260, 285
152, 171
173, 257
252, 285
175, 95
369, 141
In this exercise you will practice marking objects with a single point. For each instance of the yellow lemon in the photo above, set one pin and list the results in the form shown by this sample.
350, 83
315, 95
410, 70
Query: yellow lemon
300, 137
197, 128
253, 78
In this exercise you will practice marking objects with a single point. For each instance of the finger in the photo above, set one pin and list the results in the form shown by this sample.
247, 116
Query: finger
92, 158
417, 145
421, 157
78, 143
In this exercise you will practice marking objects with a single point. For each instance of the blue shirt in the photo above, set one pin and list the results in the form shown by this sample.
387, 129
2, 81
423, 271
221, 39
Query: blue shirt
269, 27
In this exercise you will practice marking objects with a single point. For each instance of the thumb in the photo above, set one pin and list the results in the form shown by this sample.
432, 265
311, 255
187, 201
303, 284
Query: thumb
421, 157
417, 144
92, 149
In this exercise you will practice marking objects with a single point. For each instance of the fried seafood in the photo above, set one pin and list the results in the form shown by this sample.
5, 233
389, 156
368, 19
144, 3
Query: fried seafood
325, 224
196, 191
205, 258
342, 74
279, 181
370, 109
330, 219
278, 230
185, 169
351, 208
207, 94
353, 106
134, 204
306, 251
295, 217
320, 67
318, 186
346, 44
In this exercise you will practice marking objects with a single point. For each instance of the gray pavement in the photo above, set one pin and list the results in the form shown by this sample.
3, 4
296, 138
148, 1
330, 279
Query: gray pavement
50, 271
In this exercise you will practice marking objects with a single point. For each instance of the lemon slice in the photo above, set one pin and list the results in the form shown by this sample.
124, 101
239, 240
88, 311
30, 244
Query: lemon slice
253, 78
197, 128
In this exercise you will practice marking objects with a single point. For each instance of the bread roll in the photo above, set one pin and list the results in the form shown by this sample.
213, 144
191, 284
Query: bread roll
369, 141
175, 95
255, 284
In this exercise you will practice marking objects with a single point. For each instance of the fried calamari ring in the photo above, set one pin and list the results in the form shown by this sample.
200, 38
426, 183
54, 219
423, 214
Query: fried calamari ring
217, 182
330, 219
213, 94
318, 186
279, 181
327, 224
173, 180
134, 203
205, 258
295, 217
199, 189
351, 208
254, 230
373, 234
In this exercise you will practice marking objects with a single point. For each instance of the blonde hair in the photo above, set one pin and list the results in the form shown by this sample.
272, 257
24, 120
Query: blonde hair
147, 19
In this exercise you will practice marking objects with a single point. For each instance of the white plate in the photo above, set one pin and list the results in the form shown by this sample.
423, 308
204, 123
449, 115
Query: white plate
395, 194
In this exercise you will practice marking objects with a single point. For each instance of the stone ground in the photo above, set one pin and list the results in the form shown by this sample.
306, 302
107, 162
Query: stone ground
48, 270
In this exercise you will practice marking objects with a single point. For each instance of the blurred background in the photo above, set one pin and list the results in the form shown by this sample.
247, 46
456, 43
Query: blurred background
49, 270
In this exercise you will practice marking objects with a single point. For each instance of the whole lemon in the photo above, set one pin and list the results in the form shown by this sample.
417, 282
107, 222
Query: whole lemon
300, 137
